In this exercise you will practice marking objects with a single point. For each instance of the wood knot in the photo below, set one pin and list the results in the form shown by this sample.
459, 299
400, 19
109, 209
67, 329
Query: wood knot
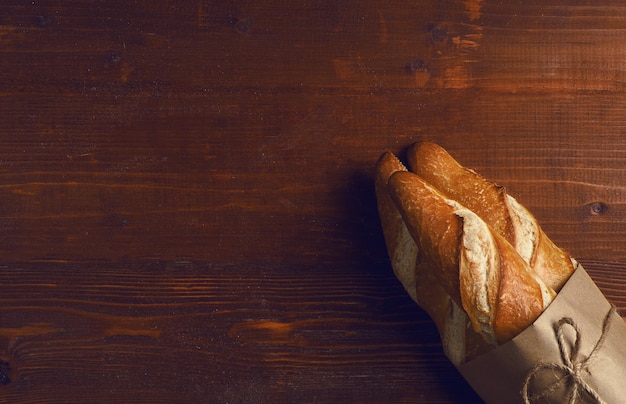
112, 58
415, 65
43, 21
438, 34
5, 370
597, 208
242, 25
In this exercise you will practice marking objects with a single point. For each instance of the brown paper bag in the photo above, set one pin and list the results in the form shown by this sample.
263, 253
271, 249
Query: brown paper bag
545, 364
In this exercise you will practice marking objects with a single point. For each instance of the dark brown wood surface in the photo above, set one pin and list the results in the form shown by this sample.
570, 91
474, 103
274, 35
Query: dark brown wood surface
186, 190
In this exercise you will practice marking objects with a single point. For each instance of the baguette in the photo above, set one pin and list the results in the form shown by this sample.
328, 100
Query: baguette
497, 208
478, 268
416, 273
401, 248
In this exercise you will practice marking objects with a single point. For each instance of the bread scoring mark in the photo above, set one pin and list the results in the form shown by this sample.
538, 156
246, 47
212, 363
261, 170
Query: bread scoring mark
478, 268
526, 239
526, 229
404, 259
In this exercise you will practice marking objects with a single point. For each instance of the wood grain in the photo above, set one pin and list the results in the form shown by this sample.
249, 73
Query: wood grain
186, 189
203, 333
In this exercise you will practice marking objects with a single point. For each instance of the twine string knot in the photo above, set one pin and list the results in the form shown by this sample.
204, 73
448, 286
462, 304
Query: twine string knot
571, 368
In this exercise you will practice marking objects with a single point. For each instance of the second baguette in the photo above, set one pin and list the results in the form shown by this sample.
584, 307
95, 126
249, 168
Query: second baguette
478, 268
496, 207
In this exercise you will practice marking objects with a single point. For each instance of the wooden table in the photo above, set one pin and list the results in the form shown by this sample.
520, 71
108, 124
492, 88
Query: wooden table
187, 210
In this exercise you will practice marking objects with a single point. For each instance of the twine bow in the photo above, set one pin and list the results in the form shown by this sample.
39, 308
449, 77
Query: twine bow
571, 370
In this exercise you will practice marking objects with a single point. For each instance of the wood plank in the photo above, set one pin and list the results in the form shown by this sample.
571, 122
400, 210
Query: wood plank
196, 333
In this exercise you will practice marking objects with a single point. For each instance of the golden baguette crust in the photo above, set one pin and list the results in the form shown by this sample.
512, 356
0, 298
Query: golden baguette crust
478, 268
433, 224
498, 209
